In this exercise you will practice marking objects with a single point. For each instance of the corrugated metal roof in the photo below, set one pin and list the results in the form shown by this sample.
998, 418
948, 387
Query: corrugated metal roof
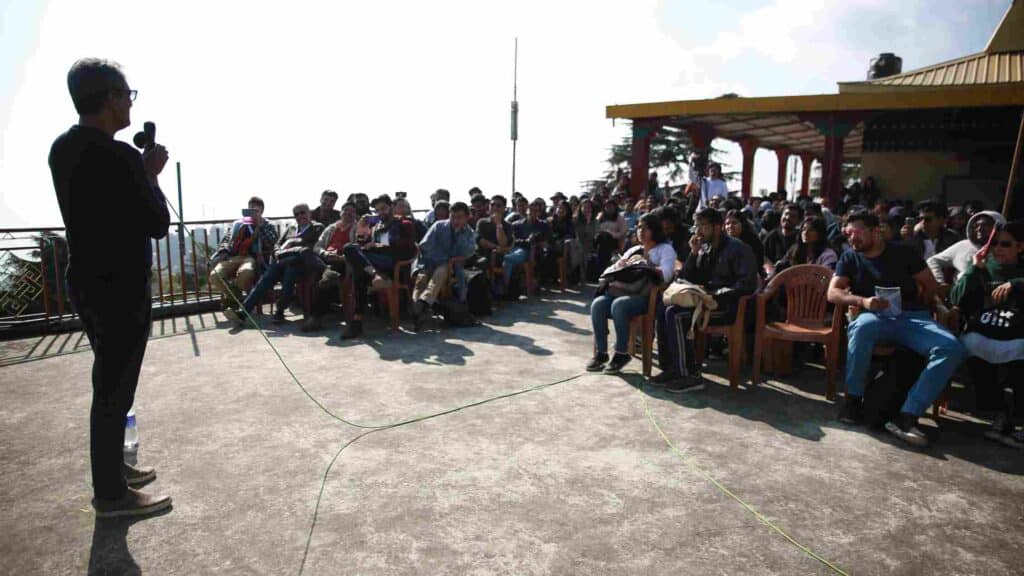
982, 68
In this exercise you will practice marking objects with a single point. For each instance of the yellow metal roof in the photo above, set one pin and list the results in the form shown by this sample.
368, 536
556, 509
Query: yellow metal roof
982, 68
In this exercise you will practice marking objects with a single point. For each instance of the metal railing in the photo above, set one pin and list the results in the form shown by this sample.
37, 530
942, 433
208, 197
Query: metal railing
33, 263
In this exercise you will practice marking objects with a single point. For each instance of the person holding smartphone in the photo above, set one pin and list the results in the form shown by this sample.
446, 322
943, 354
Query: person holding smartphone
239, 257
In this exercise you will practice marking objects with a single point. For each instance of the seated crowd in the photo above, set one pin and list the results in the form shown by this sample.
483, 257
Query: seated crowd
892, 264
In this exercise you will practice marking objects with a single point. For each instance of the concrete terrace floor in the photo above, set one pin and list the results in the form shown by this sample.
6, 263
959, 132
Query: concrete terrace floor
570, 479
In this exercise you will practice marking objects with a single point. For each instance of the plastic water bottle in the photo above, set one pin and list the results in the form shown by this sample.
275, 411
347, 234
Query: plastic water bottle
131, 437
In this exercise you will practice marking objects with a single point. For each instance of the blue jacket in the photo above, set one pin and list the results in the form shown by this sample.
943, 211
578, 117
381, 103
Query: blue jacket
443, 243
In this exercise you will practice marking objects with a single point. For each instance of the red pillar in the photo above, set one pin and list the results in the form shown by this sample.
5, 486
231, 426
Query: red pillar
783, 156
806, 160
640, 162
749, 147
831, 174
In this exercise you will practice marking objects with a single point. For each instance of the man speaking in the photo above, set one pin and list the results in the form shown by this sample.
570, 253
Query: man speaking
111, 205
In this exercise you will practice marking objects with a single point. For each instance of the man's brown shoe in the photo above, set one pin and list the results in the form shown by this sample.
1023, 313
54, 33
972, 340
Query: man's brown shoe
137, 476
133, 503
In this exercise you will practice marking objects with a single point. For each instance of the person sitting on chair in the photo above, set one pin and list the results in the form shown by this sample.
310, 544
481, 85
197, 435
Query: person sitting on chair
527, 234
392, 240
881, 279
621, 309
450, 240
330, 249
238, 259
293, 257
725, 268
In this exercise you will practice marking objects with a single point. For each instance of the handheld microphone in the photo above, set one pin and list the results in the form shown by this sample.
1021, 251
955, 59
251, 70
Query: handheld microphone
147, 138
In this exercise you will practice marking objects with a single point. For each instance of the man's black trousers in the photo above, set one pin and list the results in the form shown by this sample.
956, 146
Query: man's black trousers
116, 311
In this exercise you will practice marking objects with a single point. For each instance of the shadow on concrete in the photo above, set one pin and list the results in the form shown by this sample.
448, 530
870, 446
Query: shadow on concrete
109, 553
530, 312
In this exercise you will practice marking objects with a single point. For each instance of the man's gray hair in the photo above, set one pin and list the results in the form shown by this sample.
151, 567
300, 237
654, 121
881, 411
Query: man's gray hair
90, 80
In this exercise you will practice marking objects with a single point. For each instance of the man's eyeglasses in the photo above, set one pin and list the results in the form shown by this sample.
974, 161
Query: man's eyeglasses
132, 94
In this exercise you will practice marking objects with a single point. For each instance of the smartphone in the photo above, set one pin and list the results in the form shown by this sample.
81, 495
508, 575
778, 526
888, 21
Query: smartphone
249, 212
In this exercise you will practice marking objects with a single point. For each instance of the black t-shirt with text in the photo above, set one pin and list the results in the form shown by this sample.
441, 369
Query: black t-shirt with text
895, 266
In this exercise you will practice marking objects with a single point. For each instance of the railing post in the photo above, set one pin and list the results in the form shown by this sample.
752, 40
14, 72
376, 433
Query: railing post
42, 272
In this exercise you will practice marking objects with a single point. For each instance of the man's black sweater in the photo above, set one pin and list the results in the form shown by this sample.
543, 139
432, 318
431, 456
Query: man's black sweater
109, 207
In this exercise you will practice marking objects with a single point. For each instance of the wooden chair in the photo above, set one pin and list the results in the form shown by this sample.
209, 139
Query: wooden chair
643, 327
734, 332
529, 267
806, 289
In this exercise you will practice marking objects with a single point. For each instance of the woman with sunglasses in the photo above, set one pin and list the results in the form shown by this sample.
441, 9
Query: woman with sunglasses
990, 294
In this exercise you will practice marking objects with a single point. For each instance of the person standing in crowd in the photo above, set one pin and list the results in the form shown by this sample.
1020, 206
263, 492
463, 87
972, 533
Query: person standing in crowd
862, 274
109, 197
713, 186
391, 240
325, 212
948, 264
293, 258
933, 236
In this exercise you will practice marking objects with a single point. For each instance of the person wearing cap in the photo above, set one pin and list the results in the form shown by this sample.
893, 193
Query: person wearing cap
392, 240
556, 199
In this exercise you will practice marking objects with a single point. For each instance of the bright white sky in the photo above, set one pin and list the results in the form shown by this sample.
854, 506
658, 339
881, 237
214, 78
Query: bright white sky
284, 99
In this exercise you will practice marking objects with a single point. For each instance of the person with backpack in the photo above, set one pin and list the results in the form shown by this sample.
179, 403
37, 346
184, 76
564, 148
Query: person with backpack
450, 240
621, 303
990, 294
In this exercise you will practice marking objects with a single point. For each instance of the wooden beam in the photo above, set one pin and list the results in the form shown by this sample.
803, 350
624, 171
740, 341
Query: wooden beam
968, 97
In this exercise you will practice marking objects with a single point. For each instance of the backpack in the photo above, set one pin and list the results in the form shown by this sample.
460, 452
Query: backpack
688, 295
457, 314
478, 294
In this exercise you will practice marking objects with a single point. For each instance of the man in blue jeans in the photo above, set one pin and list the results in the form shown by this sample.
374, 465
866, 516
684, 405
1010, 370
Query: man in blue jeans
527, 234
903, 318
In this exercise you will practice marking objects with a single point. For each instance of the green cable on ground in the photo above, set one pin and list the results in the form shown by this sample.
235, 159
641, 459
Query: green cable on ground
371, 428
724, 490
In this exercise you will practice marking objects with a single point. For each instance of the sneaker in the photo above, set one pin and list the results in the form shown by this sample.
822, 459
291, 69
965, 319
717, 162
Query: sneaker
905, 428
852, 410
353, 329
136, 476
618, 361
597, 363
133, 503
233, 315
685, 384
664, 378
1000, 427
